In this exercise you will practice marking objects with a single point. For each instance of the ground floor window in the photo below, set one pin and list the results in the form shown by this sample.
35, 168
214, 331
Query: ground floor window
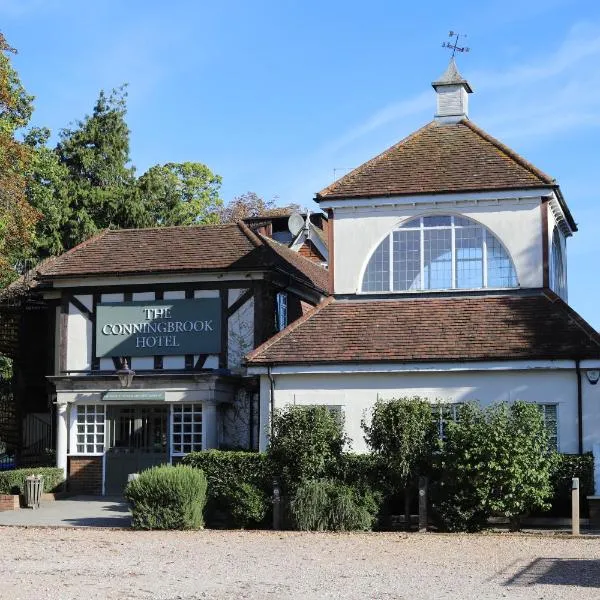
186, 428
90, 429
444, 412
550, 413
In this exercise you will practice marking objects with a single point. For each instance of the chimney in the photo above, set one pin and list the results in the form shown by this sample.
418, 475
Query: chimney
452, 95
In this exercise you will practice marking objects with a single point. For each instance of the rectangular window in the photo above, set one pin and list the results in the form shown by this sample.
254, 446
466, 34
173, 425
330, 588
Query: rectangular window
444, 412
186, 428
282, 314
550, 413
90, 429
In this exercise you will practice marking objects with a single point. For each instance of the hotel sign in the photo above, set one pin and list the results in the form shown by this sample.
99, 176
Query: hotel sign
161, 327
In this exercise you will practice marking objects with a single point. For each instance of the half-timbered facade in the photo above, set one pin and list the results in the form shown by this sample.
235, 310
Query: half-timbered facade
149, 330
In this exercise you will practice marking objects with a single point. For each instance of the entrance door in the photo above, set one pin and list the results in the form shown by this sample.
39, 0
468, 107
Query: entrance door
137, 440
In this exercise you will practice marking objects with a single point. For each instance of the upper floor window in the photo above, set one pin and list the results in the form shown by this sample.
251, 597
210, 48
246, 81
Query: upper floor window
558, 273
281, 316
439, 253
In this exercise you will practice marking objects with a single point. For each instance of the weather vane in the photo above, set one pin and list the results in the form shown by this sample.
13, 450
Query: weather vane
454, 45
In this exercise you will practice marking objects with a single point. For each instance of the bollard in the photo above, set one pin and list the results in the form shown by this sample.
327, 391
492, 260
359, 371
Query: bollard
276, 504
422, 504
575, 506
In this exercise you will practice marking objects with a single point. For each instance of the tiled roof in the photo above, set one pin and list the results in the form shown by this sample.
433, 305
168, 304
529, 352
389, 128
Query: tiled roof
467, 328
317, 274
440, 158
180, 249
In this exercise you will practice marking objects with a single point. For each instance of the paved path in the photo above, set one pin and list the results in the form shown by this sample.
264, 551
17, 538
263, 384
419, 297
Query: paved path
79, 511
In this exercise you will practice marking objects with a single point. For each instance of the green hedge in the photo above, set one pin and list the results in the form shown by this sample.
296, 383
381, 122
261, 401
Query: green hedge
569, 466
167, 497
12, 482
239, 486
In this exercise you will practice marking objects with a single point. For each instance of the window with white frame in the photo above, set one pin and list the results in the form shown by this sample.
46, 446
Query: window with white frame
439, 253
89, 429
443, 412
558, 271
550, 414
186, 428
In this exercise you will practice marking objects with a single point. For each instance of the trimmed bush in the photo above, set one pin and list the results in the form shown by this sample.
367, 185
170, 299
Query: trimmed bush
167, 497
307, 443
324, 504
364, 471
248, 505
566, 467
237, 483
12, 482
239, 486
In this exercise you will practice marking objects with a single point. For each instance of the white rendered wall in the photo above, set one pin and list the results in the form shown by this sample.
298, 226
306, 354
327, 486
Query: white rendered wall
515, 222
79, 336
240, 334
357, 393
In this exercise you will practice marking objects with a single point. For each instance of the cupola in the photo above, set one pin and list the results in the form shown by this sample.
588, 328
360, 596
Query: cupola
452, 95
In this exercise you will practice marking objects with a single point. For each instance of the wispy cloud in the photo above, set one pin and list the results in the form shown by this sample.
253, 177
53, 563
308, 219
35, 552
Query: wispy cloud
558, 93
381, 118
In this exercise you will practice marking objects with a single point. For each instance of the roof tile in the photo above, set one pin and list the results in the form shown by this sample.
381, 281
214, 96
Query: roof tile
467, 328
180, 249
440, 158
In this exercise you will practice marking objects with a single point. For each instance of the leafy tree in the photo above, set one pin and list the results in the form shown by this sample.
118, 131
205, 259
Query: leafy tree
17, 216
306, 443
251, 204
495, 460
47, 192
180, 194
100, 185
402, 433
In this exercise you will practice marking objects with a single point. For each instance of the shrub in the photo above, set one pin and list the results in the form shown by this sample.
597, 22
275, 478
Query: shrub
495, 460
12, 482
566, 467
239, 486
167, 497
402, 432
306, 443
363, 471
319, 505
248, 505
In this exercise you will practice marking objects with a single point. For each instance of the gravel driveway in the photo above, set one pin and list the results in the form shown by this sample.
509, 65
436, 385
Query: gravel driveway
93, 563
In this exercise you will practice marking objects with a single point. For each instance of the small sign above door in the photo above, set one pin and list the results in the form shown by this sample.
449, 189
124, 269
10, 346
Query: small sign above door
130, 395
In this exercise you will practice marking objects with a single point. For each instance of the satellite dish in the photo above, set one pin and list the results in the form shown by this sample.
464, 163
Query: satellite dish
295, 223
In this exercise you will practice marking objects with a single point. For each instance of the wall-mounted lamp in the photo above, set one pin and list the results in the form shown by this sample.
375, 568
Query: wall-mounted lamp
125, 374
593, 375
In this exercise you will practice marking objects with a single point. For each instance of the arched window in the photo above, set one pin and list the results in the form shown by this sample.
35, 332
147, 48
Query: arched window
558, 273
439, 253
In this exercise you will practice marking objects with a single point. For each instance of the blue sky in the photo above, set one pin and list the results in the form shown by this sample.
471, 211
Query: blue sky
275, 95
